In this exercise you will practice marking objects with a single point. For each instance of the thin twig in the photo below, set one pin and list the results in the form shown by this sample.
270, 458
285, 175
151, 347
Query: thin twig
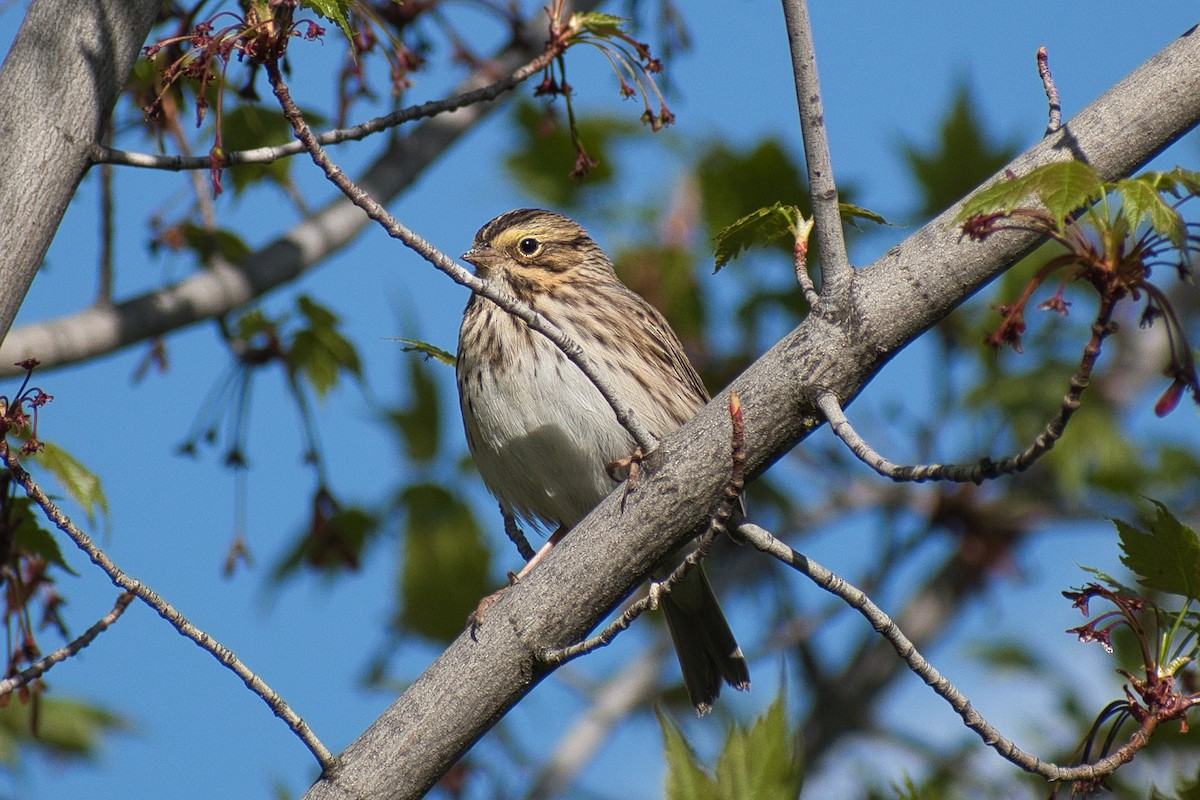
986, 468
827, 217
881, 622
265, 155
1043, 63
704, 543
456, 273
42, 665
165, 610
800, 263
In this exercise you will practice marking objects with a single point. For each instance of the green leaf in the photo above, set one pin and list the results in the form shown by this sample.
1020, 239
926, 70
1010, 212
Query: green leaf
851, 213
964, 155
420, 423
686, 778
428, 350
248, 126
598, 23
1063, 188
319, 351
1165, 558
206, 243
762, 762
81, 484
1141, 200
66, 728
737, 183
757, 228
1109, 581
336, 11
335, 539
445, 563
544, 154
30, 537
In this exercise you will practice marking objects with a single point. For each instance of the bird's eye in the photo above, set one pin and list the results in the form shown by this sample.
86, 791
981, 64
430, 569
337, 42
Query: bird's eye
529, 246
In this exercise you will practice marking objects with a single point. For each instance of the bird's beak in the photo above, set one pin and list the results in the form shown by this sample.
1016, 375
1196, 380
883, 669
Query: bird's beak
480, 256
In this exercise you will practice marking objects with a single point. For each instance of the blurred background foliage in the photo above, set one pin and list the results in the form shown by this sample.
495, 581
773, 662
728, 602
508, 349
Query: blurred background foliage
445, 535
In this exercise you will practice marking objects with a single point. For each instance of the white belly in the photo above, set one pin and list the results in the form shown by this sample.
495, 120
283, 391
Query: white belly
542, 440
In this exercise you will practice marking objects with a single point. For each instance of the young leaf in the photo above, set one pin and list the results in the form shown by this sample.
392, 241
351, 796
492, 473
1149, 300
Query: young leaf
852, 213
420, 422
81, 484
336, 11
33, 539
207, 243
1141, 199
445, 563
320, 351
762, 762
757, 228
428, 350
1166, 557
1066, 187
1062, 188
597, 23
686, 778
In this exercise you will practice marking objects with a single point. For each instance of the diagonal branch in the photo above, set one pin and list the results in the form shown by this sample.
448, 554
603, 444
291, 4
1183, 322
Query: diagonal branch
165, 610
40, 667
884, 625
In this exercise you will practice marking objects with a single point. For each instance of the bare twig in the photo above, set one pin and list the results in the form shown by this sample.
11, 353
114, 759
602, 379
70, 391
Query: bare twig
266, 155
800, 262
827, 217
457, 273
42, 665
882, 623
985, 469
1043, 63
165, 610
716, 526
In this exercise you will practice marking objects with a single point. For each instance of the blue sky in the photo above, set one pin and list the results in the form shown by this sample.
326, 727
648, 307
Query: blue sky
889, 70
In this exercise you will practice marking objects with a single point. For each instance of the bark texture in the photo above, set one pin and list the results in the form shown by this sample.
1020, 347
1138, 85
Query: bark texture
58, 86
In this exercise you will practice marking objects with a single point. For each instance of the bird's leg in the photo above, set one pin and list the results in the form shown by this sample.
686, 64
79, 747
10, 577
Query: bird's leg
626, 469
476, 617
554, 539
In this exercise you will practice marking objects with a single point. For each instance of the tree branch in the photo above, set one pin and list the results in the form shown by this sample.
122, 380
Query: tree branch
59, 83
43, 665
986, 468
265, 155
827, 214
882, 623
913, 286
164, 609
223, 287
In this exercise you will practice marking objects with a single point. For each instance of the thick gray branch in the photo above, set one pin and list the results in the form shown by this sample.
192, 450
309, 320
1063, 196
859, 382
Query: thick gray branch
474, 682
58, 86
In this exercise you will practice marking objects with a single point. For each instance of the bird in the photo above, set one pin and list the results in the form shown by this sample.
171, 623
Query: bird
543, 437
